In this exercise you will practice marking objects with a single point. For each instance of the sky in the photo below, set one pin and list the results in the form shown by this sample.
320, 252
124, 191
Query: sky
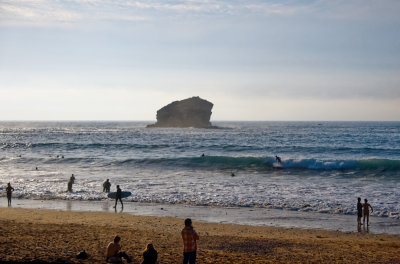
253, 59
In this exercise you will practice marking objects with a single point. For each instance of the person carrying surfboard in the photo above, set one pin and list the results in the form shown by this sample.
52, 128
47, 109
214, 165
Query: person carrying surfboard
118, 196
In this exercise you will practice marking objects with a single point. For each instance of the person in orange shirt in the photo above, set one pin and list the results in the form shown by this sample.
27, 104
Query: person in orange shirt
189, 237
114, 253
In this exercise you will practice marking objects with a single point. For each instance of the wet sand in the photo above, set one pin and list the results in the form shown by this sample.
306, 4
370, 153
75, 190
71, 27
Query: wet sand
251, 216
52, 236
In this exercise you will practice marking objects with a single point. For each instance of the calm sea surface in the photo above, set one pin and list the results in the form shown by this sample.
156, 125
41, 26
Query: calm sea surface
326, 165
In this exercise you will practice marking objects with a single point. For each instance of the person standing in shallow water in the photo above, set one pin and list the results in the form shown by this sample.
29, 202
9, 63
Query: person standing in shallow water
118, 196
189, 237
106, 186
70, 182
9, 191
359, 211
366, 207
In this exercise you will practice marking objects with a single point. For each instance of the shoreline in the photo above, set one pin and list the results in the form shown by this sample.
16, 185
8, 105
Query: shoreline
223, 215
54, 236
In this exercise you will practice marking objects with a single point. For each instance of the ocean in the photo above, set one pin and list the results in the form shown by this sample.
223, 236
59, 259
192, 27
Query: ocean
325, 165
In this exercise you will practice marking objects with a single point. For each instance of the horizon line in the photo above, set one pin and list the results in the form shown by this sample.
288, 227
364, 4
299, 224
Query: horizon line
122, 120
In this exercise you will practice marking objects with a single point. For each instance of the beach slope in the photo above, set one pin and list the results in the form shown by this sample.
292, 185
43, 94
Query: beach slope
50, 236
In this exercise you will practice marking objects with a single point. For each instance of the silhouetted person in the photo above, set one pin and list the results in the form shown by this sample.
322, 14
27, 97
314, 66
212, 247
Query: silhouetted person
278, 159
70, 182
9, 191
189, 237
106, 186
202, 155
114, 253
149, 255
366, 207
36, 168
359, 211
118, 196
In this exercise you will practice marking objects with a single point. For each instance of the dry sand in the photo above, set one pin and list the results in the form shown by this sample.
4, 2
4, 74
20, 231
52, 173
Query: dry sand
50, 236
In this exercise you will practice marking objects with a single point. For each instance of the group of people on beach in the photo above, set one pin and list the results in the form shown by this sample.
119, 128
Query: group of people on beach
363, 211
114, 254
106, 189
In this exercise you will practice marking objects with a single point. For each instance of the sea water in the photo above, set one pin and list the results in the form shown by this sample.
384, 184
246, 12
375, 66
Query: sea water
325, 165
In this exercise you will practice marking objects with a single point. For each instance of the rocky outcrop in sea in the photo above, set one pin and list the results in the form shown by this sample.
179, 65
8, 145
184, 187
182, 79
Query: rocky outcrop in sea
191, 112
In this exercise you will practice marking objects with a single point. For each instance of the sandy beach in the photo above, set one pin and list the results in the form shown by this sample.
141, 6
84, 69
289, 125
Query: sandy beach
51, 236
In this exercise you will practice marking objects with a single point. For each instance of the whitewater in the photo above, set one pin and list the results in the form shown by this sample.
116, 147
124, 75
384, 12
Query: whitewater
325, 165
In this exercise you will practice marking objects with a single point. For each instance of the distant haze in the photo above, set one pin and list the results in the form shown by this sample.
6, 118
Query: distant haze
254, 59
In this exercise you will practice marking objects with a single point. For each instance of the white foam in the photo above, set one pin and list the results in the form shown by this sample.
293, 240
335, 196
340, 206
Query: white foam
320, 193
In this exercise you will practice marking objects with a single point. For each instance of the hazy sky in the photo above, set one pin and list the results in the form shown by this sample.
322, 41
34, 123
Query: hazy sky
254, 59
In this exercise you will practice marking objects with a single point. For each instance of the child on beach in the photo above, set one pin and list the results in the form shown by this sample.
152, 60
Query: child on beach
9, 191
149, 255
114, 253
359, 211
366, 207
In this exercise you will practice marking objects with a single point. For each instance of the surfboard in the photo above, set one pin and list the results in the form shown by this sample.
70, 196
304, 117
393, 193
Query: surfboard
123, 194
277, 166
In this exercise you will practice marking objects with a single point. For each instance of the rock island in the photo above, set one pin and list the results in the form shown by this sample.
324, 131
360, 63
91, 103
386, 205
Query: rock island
190, 112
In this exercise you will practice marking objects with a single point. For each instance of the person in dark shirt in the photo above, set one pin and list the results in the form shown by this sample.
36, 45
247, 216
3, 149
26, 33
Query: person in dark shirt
118, 197
149, 255
106, 186
359, 211
70, 183
9, 191
278, 159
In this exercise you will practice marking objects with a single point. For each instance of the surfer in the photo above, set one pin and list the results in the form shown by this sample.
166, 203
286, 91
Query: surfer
359, 211
106, 186
9, 191
118, 196
366, 207
278, 159
70, 182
